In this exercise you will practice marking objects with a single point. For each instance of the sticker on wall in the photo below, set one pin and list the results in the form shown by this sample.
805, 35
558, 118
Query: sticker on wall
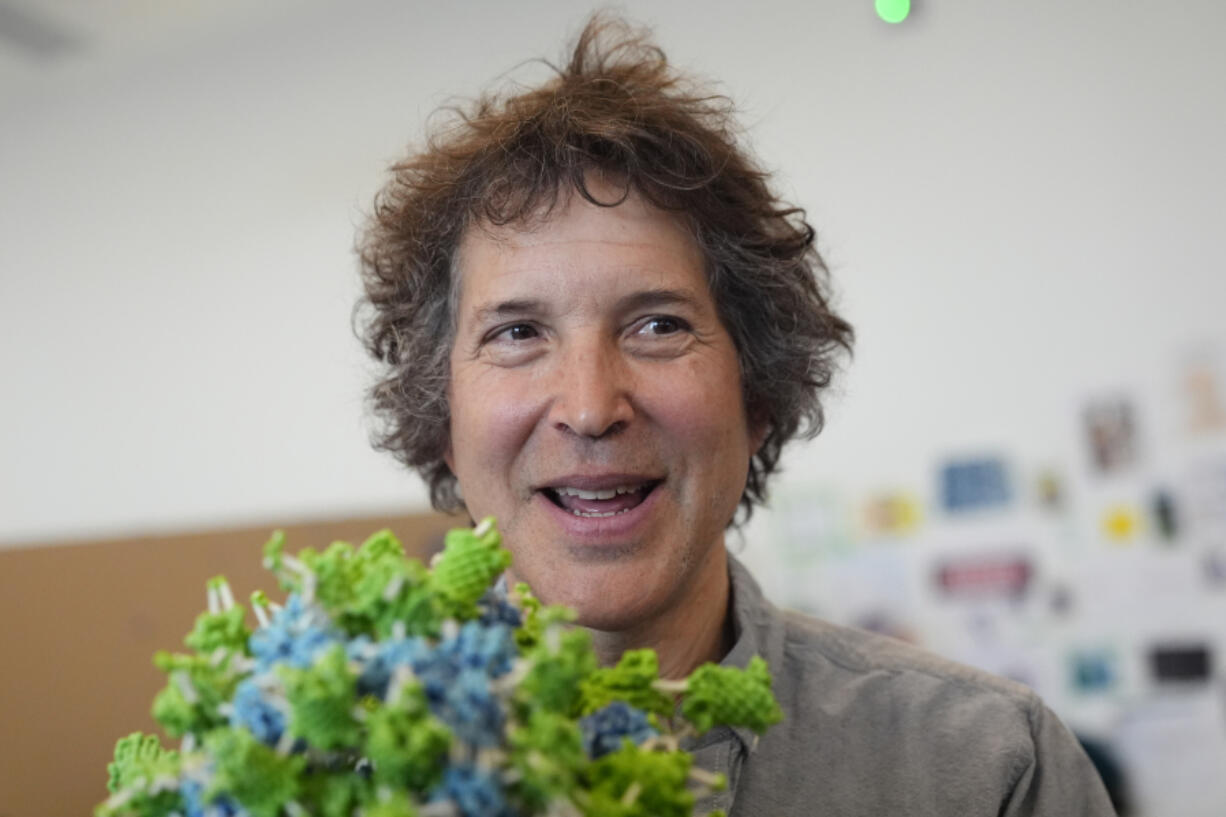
1203, 390
1180, 663
979, 576
974, 484
811, 524
1111, 432
1213, 565
1049, 489
1061, 600
1162, 510
1121, 524
892, 515
1203, 501
1093, 670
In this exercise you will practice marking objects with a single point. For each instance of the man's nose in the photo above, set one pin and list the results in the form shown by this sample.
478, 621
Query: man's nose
592, 397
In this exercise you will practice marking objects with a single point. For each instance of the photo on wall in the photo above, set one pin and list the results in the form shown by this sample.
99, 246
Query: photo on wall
1111, 431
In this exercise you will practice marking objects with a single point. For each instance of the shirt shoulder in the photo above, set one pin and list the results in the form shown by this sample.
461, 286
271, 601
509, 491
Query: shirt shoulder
811, 644
889, 691
873, 725
900, 729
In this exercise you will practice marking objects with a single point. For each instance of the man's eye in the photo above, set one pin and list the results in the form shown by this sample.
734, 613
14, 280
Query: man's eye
663, 325
520, 331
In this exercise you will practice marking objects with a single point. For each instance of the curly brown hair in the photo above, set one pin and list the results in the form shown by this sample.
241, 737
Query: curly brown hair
619, 108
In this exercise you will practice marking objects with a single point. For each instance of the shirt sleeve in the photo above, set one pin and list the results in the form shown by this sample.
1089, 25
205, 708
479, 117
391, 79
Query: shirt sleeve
1059, 779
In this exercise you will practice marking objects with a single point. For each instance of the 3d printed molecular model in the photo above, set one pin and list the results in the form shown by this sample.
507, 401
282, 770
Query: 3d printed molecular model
381, 688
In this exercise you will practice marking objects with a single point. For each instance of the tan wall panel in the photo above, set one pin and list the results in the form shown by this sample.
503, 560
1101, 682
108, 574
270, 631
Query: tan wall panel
79, 625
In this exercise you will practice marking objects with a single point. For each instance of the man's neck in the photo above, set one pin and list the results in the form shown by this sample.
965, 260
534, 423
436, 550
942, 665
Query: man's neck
694, 632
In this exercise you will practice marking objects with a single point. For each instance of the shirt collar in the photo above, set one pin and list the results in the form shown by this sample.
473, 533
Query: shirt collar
756, 630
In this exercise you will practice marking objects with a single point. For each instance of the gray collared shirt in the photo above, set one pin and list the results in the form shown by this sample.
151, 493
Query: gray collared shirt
873, 726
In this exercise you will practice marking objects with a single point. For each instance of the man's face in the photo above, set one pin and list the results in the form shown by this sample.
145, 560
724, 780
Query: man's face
596, 409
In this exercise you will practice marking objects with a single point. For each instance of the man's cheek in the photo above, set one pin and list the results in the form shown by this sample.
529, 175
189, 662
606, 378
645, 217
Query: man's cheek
499, 427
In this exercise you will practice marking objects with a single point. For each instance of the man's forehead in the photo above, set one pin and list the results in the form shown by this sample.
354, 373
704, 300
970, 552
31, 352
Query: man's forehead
633, 240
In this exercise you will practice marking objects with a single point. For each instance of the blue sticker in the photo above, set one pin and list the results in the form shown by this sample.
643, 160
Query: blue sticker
1093, 670
974, 484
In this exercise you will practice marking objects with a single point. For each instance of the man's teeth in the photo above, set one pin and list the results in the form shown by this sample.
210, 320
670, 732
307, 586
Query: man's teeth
608, 493
601, 494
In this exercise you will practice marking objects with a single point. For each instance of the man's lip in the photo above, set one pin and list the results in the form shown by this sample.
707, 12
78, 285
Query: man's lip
600, 536
597, 482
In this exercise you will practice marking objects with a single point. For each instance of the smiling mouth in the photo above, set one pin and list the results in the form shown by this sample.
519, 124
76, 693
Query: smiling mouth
597, 504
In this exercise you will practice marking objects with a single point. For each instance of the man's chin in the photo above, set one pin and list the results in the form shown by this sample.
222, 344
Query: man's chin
606, 618
606, 608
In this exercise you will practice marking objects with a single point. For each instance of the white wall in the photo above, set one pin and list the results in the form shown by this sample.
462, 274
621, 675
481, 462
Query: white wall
1016, 200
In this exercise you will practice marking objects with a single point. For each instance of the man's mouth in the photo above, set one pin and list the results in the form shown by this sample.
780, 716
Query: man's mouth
602, 502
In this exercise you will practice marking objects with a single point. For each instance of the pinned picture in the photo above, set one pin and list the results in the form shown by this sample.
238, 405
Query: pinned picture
1203, 500
1111, 432
1049, 489
892, 515
1181, 663
1093, 670
1121, 524
1162, 510
811, 523
1203, 390
984, 575
1213, 565
974, 484
1061, 600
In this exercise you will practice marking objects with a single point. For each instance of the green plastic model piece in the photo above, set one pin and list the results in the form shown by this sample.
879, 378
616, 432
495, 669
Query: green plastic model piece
632, 680
727, 695
140, 757
557, 672
322, 699
195, 689
381, 544
274, 560
222, 627
381, 688
260, 605
470, 562
633, 782
336, 573
337, 793
252, 773
375, 589
146, 774
537, 618
405, 743
390, 804
547, 753
396, 593
349, 580
178, 716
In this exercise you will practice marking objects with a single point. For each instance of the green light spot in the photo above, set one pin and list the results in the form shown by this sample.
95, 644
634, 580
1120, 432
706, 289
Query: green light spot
893, 11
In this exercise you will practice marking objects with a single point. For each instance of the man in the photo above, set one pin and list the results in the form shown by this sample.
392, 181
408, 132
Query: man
601, 326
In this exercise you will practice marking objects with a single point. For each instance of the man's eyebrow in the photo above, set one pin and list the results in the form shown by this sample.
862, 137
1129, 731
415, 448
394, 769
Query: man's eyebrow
643, 299
650, 298
514, 308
